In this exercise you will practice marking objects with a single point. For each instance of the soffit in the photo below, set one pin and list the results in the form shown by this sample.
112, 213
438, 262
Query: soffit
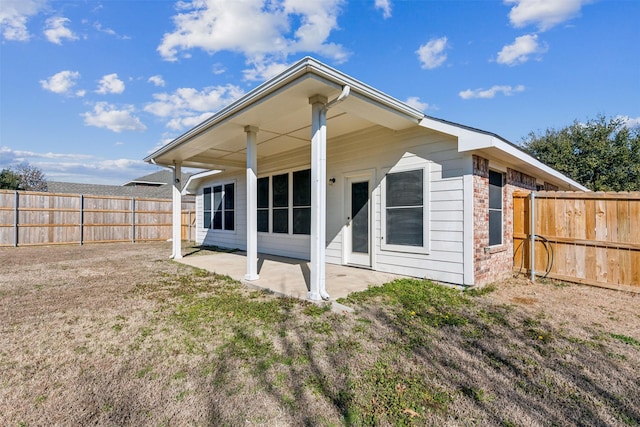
284, 121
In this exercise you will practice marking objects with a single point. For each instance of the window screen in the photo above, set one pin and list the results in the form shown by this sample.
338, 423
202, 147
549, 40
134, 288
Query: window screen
280, 203
405, 208
263, 204
219, 207
302, 202
495, 208
206, 196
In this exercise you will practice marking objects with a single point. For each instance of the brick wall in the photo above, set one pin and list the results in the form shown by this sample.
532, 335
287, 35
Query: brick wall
496, 262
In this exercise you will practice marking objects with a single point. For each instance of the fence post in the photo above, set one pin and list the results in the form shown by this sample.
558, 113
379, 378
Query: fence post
532, 236
133, 220
189, 230
16, 201
81, 219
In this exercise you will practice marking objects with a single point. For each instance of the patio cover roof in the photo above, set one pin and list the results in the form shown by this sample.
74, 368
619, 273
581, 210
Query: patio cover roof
280, 110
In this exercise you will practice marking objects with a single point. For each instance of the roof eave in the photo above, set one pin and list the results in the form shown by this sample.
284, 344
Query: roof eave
471, 139
302, 67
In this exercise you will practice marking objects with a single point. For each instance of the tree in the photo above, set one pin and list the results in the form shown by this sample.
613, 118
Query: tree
601, 154
23, 177
9, 180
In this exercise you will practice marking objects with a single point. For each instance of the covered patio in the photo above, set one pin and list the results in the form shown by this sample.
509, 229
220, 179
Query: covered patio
285, 120
286, 276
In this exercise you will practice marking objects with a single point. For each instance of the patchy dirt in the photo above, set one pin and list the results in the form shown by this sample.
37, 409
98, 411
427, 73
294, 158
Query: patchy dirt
579, 310
116, 334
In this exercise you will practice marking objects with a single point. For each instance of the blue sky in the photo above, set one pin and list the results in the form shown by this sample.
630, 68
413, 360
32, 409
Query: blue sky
89, 88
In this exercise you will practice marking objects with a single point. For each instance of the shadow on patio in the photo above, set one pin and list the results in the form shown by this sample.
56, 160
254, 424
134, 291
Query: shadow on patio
286, 276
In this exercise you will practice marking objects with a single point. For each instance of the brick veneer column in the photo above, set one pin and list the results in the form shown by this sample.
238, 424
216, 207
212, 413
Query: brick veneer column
494, 263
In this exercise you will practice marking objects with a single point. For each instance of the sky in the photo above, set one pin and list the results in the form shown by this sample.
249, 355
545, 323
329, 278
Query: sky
89, 88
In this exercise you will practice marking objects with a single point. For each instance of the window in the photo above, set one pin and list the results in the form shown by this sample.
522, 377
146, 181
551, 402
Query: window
495, 208
284, 203
280, 203
263, 204
219, 207
405, 208
207, 207
302, 202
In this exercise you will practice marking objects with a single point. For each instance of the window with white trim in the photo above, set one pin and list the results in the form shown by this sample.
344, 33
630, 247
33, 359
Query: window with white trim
219, 207
263, 204
280, 203
496, 184
405, 211
284, 203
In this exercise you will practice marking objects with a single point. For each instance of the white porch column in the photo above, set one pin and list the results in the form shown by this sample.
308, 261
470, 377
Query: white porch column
177, 211
252, 204
318, 196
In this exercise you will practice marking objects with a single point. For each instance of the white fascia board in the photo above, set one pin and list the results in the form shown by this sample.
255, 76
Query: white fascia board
191, 187
472, 140
304, 66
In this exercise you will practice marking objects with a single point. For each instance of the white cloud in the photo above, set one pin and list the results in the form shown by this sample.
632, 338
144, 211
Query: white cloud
107, 116
179, 123
110, 83
55, 30
431, 54
545, 14
77, 167
264, 31
630, 122
263, 69
521, 50
490, 93
385, 6
187, 106
156, 80
415, 102
14, 15
62, 83
98, 26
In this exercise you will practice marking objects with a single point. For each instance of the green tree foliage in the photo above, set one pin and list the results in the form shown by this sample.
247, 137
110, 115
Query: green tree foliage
9, 180
23, 177
601, 154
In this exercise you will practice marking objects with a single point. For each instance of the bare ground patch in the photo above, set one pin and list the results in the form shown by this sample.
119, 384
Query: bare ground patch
116, 334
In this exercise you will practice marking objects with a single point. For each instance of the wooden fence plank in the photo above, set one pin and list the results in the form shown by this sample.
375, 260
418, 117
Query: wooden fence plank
595, 236
49, 218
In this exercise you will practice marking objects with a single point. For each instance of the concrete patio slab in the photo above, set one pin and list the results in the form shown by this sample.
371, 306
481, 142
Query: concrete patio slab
287, 276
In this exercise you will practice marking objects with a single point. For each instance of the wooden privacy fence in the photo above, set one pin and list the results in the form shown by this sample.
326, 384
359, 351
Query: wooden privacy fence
590, 238
34, 218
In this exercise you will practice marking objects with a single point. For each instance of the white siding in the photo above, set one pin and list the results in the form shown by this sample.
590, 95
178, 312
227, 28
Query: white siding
382, 150
378, 150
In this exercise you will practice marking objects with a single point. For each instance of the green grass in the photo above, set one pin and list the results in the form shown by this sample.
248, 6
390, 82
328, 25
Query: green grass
626, 339
378, 366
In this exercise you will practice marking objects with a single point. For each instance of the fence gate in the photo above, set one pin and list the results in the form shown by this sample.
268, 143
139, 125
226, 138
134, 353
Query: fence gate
590, 238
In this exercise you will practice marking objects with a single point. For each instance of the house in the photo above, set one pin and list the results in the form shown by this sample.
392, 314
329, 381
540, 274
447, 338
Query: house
317, 165
156, 185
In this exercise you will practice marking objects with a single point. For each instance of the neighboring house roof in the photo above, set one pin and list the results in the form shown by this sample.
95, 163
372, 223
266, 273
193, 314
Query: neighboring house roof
156, 179
154, 186
279, 109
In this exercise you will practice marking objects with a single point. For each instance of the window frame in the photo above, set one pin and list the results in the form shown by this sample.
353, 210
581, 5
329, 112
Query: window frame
426, 207
490, 209
224, 210
290, 200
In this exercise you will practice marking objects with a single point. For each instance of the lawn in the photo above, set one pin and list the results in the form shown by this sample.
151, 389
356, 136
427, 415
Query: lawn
116, 334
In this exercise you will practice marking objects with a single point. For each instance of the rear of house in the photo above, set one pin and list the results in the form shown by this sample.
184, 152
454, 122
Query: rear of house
395, 203
363, 180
